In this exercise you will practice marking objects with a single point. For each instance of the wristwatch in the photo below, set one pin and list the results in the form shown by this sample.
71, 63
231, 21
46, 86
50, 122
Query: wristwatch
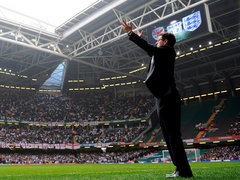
129, 33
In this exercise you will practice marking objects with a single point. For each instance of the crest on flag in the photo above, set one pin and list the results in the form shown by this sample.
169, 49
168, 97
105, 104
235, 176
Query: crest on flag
156, 32
175, 28
192, 21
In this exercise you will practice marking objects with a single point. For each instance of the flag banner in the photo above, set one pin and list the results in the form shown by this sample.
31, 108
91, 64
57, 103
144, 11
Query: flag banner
82, 123
217, 138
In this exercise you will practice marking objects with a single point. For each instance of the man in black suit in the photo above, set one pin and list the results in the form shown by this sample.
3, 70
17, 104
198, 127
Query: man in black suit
160, 81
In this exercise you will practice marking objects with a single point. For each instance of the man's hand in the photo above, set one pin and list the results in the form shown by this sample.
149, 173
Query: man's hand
126, 27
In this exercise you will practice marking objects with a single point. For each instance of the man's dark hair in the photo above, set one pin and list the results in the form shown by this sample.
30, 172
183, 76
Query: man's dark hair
170, 37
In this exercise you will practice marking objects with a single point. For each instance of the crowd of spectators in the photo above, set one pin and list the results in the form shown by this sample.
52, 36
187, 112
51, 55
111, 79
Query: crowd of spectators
28, 106
222, 153
121, 135
35, 134
217, 153
21, 158
107, 157
111, 157
67, 135
228, 152
32, 107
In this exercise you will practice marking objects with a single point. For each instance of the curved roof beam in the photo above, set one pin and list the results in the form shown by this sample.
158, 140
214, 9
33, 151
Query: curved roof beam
113, 31
92, 17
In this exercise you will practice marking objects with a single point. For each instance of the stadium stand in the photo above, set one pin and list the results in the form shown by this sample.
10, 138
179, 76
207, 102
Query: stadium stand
21, 105
193, 114
32, 157
203, 114
65, 135
25, 106
222, 153
226, 115
18, 106
234, 129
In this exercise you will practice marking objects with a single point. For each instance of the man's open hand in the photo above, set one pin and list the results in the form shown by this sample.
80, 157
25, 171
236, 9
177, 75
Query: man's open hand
128, 27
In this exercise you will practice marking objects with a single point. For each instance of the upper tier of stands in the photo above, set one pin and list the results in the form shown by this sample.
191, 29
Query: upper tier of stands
26, 106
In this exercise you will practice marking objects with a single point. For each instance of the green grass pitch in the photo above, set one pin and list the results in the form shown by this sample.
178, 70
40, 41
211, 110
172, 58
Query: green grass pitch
204, 171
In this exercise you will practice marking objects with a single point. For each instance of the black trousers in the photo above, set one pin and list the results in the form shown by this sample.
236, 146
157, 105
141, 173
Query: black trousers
169, 115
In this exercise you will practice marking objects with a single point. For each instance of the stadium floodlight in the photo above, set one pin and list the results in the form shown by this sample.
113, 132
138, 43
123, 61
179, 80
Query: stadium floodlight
93, 17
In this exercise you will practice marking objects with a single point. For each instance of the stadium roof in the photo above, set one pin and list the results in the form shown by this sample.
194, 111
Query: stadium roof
42, 14
99, 55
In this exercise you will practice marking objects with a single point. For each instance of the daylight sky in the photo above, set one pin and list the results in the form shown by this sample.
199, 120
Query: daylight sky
53, 12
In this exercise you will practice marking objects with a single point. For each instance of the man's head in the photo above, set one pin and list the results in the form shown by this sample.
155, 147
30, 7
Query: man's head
166, 39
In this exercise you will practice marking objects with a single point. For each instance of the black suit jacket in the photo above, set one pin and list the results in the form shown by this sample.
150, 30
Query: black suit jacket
160, 78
